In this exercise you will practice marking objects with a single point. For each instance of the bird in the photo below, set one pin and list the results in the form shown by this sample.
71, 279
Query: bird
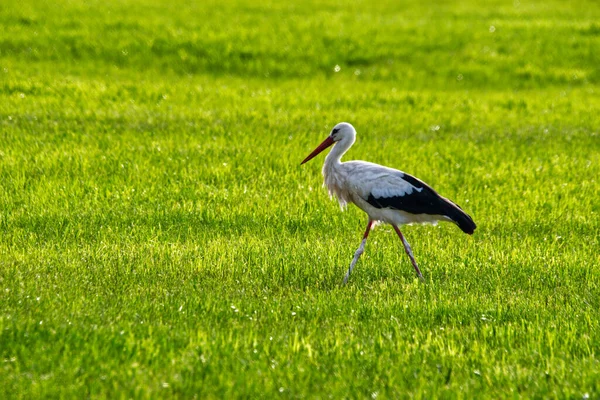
387, 195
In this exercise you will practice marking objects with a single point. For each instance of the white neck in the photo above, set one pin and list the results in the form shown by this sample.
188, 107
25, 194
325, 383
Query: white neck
339, 149
333, 174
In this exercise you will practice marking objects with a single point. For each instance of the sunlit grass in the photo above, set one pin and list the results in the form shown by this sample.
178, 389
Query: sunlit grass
159, 238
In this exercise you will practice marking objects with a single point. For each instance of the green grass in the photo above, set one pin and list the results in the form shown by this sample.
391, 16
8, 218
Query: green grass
158, 237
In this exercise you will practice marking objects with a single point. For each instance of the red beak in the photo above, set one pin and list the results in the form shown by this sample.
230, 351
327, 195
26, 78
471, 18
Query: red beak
326, 143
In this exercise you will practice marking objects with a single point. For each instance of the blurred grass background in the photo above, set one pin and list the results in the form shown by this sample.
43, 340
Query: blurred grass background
501, 44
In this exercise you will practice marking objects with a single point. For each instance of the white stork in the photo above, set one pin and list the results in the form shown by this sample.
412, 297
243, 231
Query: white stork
385, 194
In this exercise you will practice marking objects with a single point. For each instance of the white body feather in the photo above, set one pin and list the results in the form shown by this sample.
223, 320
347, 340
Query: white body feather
353, 181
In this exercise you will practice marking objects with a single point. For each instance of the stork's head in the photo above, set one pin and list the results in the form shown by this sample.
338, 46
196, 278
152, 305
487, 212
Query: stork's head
342, 132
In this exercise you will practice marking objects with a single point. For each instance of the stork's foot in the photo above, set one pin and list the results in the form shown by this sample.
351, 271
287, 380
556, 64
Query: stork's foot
420, 275
357, 255
414, 263
358, 252
409, 253
346, 277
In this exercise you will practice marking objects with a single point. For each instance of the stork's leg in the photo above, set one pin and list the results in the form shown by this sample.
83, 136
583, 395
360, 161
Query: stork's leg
408, 251
360, 250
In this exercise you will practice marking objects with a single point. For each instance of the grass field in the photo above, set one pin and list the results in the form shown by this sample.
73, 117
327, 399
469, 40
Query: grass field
158, 237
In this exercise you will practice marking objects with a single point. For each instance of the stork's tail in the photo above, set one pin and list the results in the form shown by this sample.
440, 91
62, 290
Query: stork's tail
460, 218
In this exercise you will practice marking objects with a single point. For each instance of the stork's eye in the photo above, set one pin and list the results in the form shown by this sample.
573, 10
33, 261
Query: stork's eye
335, 131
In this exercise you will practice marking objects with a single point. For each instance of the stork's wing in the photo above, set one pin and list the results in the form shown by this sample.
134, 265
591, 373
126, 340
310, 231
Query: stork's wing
384, 187
422, 199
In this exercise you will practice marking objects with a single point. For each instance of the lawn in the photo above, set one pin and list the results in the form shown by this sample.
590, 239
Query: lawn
158, 237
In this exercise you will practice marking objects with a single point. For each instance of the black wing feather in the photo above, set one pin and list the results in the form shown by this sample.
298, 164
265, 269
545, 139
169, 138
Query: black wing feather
424, 201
